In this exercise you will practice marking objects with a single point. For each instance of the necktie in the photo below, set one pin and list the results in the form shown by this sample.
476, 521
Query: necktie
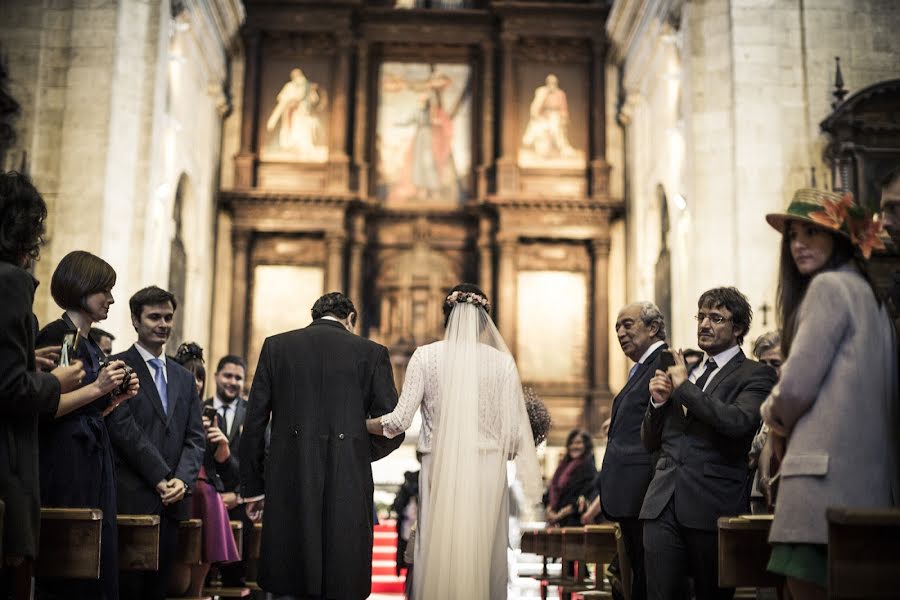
225, 408
159, 378
633, 370
710, 367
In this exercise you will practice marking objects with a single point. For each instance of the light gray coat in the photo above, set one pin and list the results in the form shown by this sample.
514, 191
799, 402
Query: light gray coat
838, 398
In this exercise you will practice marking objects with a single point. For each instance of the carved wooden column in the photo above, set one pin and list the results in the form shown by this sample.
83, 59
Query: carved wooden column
245, 161
599, 166
362, 103
507, 168
338, 178
334, 273
357, 246
508, 289
486, 257
237, 339
600, 301
487, 121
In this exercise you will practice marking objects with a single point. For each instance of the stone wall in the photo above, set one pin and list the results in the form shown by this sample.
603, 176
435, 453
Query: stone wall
122, 102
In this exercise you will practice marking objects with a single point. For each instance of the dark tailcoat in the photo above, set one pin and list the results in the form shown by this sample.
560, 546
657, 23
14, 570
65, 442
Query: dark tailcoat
24, 396
319, 384
152, 445
703, 455
627, 465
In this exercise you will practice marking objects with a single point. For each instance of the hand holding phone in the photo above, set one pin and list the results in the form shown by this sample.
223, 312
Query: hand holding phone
666, 360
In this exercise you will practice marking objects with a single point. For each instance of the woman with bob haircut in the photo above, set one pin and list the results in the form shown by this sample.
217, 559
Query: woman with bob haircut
76, 455
26, 394
833, 414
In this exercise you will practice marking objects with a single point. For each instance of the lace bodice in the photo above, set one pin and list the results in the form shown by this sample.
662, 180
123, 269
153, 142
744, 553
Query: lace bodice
497, 380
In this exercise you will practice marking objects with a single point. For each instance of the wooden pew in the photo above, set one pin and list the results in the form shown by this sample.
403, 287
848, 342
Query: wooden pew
744, 552
574, 551
70, 543
863, 553
188, 554
600, 547
535, 541
237, 530
138, 542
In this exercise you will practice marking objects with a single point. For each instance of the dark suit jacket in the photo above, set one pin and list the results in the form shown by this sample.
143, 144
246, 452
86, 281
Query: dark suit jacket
703, 458
25, 395
319, 384
152, 445
230, 470
627, 465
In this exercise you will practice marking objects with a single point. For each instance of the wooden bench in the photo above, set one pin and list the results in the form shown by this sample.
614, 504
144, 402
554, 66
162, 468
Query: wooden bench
863, 553
138, 542
70, 543
237, 530
600, 547
574, 552
744, 552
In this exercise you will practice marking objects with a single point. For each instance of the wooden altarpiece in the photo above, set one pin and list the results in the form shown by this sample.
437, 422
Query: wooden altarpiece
402, 151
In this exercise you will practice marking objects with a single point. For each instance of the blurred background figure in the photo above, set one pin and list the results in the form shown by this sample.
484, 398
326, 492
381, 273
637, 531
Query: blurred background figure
104, 339
572, 480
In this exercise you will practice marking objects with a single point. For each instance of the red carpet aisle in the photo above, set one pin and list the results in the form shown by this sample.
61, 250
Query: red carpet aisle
385, 583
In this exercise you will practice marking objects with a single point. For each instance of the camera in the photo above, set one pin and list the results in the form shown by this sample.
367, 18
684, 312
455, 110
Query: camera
129, 373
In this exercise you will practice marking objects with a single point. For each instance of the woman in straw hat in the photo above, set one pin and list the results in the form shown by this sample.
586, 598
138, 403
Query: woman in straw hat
833, 414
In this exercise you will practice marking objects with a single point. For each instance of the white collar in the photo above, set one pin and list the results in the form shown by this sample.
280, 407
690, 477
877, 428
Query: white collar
651, 350
724, 357
218, 403
147, 356
332, 318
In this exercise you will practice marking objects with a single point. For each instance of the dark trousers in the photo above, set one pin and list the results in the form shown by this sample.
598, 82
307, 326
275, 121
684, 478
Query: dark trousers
673, 552
151, 585
633, 538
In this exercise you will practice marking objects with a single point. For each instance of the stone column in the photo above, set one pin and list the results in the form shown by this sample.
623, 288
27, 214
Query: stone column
599, 166
239, 288
245, 161
508, 289
507, 169
486, 257
357, 246
362, 103
334, 273
337, 150
600, 302
487, 121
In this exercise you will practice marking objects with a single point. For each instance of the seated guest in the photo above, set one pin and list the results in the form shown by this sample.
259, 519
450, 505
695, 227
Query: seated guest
25, 393
702, 424
231, 410
766, 350
218, 467
158, 437
572, 480
833, 414
76, 455
104, 339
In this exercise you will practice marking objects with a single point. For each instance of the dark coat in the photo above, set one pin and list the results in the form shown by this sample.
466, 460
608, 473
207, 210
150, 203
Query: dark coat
580, 483
319, 384
704, 453
228, 473
627, 465
151, 445
24, 396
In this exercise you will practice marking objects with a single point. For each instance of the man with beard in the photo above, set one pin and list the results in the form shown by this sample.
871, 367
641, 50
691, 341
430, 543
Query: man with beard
702, 423
158, 437
231, 409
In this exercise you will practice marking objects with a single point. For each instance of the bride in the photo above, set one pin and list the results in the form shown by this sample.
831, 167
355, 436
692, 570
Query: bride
473, 421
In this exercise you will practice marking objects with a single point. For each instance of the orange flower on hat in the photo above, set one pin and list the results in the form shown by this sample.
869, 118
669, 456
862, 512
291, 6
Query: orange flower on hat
865, 233
835, 213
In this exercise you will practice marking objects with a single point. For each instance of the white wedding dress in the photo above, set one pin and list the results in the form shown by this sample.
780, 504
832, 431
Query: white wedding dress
473, 420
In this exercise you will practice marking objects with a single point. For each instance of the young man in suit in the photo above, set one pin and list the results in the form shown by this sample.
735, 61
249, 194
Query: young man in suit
232, 411
702, 423
628, 466
158, 437
319, 385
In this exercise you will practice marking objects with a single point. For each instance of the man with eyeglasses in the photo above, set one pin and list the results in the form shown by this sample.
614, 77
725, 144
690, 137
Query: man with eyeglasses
702, 423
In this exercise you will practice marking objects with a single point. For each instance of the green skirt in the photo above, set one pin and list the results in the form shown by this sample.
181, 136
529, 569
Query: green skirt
808, 562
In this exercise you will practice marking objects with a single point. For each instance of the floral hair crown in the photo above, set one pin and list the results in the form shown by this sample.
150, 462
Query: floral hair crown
468, 298
189, 350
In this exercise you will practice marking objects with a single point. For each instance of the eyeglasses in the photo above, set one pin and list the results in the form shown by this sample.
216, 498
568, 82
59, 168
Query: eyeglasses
714, 318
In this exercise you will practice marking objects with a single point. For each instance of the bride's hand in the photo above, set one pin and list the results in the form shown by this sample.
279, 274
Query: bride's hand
374, 426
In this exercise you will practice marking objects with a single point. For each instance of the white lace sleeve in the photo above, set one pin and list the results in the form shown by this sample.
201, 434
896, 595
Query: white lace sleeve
399, 420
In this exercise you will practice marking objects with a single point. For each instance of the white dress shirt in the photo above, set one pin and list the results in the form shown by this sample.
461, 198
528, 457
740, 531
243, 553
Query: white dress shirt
229, 416
145, 354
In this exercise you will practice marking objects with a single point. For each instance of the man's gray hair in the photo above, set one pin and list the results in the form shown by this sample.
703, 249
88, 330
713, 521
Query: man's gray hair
651, 314
766, 342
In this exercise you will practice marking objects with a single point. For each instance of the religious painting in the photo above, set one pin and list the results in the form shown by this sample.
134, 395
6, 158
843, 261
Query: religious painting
552, 117
552, 328
423, 133
294, 111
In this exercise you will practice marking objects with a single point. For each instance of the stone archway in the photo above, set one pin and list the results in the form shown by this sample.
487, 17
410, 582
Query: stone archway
178, 259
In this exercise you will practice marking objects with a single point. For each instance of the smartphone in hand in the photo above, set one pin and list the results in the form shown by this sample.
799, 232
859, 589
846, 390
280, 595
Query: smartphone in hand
666, 360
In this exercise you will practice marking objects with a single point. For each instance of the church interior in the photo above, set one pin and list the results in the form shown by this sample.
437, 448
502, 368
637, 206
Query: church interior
569, 157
